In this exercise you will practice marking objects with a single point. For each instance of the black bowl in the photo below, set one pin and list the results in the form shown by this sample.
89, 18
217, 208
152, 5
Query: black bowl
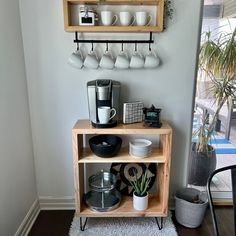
105, 145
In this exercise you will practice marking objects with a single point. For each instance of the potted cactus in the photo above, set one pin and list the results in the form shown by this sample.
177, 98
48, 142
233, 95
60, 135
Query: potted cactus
140, 194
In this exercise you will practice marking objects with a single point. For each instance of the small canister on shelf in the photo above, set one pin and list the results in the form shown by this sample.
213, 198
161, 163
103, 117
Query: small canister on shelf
87, 16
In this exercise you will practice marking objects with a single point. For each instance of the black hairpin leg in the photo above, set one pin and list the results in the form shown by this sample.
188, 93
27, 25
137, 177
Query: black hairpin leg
82, 225
160, 226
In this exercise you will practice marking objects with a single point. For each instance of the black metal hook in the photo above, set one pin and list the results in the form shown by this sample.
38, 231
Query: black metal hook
135, 47
106, 46
77, 46
122, 46
150, 49
92, 45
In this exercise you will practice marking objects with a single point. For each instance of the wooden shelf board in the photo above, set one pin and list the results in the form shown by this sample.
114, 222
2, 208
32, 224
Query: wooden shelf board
123, 157
85, 127
126, 210
113, 29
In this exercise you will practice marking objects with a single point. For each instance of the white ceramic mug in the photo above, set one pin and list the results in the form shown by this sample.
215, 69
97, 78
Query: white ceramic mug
142, 18
76, 60
107, 61
91, 60
108, 18
126, 18
151, 60
104, 114
122, 61
137, 61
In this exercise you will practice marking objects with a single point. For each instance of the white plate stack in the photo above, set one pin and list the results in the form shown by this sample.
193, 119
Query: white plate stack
140, 148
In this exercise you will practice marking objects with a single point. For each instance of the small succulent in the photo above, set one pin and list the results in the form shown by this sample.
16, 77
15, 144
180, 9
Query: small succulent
141, 184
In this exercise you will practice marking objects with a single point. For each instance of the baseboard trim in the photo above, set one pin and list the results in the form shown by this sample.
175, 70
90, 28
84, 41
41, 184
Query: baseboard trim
52, 203
29, 219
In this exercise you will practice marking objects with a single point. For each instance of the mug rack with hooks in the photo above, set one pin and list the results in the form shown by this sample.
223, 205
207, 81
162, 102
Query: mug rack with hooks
149, 41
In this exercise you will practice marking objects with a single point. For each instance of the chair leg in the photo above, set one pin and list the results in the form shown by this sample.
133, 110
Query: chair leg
233, 177
160, 226
82, 225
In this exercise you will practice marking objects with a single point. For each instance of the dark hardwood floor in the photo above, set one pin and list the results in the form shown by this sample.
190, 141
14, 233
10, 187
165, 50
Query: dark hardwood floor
57, 223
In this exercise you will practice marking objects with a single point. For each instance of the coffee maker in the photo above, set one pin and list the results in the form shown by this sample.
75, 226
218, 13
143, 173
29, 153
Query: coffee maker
103, 93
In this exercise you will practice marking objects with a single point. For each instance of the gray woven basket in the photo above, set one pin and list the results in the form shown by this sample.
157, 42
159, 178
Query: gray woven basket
188, 213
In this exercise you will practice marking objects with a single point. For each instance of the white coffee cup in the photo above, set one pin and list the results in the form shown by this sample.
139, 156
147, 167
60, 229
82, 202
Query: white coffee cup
126, 18
108, 18
137, 61
122, 61
91, 60
104, 114
76, 60
107, 61
142, 18
151, 60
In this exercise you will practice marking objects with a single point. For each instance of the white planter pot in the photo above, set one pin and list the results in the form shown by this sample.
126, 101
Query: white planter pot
140, 203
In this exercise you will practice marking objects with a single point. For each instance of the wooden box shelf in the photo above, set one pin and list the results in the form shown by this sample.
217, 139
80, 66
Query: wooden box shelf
158, 203
69, 26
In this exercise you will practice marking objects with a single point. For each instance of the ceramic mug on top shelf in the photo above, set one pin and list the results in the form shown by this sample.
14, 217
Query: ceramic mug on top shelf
142, 18
126, 18
108, 18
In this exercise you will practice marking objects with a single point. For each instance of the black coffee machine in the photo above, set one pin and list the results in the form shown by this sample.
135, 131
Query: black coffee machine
103, 93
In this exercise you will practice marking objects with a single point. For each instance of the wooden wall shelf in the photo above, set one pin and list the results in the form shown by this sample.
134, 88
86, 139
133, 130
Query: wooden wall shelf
72, 27
158, 204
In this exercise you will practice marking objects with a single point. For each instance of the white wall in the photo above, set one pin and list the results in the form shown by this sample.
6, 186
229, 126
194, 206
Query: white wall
17, 177
57, 92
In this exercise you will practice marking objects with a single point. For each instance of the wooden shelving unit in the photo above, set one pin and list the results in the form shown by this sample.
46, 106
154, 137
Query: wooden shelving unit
158, 203
158, 27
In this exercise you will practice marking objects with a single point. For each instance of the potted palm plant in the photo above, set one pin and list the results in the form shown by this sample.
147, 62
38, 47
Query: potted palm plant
217, 60
140, 194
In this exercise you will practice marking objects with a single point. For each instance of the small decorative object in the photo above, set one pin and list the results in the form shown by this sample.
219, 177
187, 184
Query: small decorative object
124, 174
87, 16
132, 112
152, 116
140, 195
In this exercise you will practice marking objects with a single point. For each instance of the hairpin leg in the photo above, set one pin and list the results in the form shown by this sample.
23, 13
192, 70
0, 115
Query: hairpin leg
160, 227
82, 225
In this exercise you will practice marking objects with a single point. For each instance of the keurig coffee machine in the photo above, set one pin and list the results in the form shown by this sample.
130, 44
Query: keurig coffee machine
103, 94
